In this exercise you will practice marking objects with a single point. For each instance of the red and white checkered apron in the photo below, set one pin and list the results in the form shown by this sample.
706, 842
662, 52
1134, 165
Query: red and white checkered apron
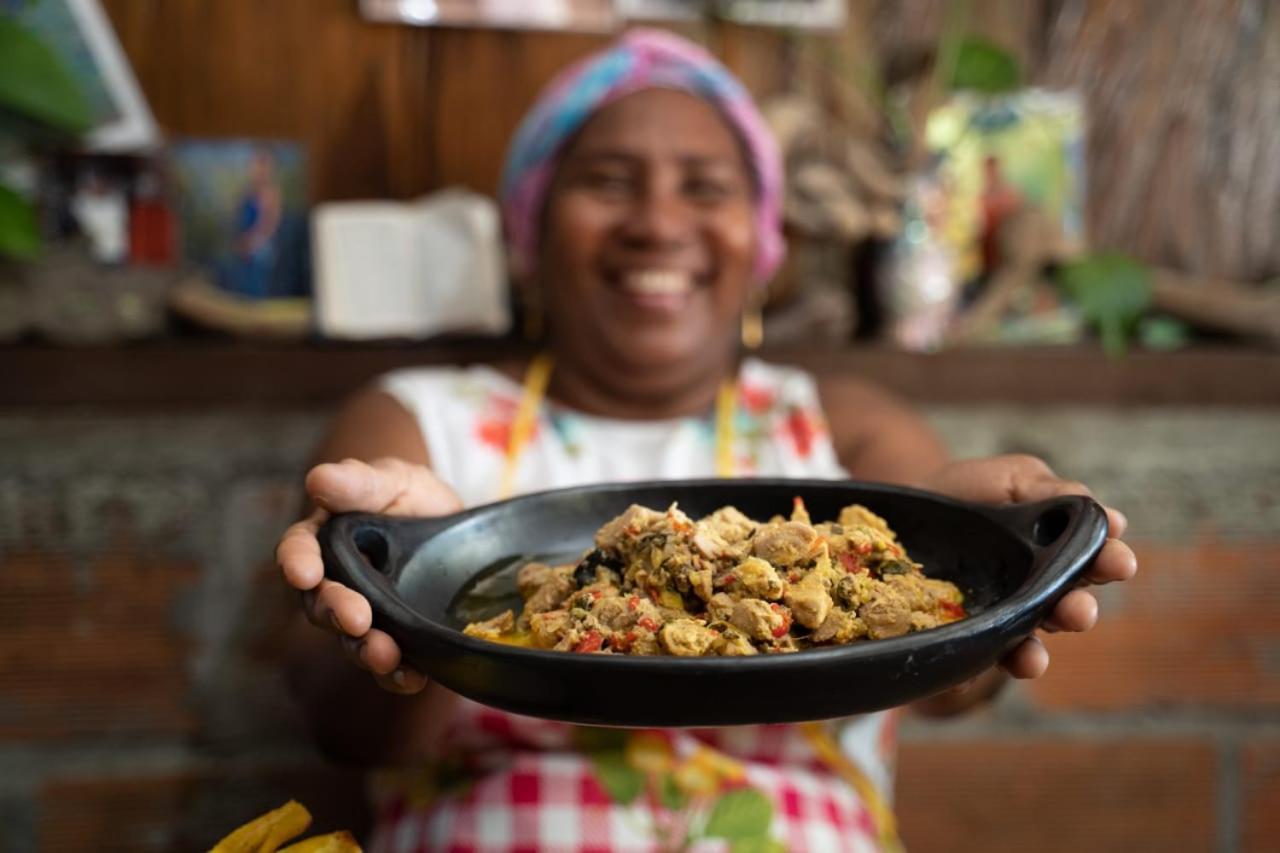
532, 791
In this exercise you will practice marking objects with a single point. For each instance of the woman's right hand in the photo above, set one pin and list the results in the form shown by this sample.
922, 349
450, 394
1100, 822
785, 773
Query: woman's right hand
386, 486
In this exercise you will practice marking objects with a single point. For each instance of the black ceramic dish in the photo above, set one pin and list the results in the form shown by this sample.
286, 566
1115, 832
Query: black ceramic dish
1013, 564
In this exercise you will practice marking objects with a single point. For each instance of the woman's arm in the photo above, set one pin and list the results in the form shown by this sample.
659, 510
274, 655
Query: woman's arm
877, 437
387, 718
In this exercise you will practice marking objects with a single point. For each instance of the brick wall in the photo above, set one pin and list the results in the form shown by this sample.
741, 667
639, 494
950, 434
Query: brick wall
140, 708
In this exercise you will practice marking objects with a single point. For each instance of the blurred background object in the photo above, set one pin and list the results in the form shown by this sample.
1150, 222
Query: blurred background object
155, 424
411, 270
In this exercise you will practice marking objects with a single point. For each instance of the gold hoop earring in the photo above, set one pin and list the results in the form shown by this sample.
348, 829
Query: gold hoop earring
753, 324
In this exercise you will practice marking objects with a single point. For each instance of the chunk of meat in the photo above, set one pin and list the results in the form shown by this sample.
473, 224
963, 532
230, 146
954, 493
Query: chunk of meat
887, 615
547, 628
638, 642
785, 544
732, 643
757, 579
550, 594
710, 545
914, 588
809, 602
758, 619
614, 614
634, 521
840, 626
923, 621
728, 524
531, 576
492, 629
856, 515
686, 638
720, 607
700, 583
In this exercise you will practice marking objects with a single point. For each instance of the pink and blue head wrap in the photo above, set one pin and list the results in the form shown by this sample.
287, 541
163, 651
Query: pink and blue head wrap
640, 59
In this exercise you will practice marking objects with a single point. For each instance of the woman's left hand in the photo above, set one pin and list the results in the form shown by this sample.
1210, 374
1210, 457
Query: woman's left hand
1019, 478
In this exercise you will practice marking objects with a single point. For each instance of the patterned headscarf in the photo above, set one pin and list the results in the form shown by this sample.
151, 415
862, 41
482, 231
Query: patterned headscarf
640, 59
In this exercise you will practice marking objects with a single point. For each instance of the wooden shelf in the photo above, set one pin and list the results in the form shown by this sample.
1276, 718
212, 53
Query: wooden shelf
201, 374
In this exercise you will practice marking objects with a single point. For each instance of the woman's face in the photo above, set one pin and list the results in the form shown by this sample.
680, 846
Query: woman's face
649, 237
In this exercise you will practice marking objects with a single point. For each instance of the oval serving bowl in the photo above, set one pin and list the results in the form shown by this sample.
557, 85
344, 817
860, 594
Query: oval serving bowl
1013, 563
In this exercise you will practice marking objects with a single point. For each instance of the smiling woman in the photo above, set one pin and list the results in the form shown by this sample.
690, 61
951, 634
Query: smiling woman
641, 202
649, 248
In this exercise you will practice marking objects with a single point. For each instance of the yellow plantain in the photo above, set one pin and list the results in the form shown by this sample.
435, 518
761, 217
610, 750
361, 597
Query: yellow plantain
334, 842
265, 834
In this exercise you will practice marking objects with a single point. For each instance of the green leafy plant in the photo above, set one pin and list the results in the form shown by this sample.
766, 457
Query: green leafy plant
1112, 291
981, 66
1163, 333
39, 99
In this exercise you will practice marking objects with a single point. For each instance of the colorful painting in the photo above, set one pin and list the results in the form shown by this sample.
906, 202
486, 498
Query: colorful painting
994, 156
242, 213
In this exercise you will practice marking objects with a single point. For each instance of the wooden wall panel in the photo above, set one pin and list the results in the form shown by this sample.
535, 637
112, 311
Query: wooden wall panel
385, 110
483, 81
357, 94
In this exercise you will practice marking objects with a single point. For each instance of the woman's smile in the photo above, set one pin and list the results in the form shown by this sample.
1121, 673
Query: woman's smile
654, 291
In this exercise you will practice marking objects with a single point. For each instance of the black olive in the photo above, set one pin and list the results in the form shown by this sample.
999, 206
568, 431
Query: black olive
585, 573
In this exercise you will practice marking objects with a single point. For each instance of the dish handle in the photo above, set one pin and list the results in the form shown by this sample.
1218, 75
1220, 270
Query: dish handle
1064, 534
367, 552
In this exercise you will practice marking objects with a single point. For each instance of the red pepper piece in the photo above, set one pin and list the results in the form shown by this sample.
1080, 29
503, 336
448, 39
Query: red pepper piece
590, 643
851, 563
786, 621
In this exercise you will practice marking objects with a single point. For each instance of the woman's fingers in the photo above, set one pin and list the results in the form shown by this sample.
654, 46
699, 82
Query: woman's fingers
1077, 611
298, 553
381, 653
1117, 523
1115, 562
334, 607
1029, 660
376, 651
390, 486
403, 679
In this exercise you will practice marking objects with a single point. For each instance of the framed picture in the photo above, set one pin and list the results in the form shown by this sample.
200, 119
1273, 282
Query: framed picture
581, 15
803, 14
80, 34
241, 207
663, 10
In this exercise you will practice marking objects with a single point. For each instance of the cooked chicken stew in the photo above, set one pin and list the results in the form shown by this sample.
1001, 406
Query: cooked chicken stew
661, 583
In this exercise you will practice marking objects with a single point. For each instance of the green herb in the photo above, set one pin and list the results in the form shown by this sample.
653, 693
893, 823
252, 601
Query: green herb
984, 67
895, 567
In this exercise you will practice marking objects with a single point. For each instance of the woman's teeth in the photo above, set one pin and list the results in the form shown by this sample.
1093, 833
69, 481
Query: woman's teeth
658, 283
